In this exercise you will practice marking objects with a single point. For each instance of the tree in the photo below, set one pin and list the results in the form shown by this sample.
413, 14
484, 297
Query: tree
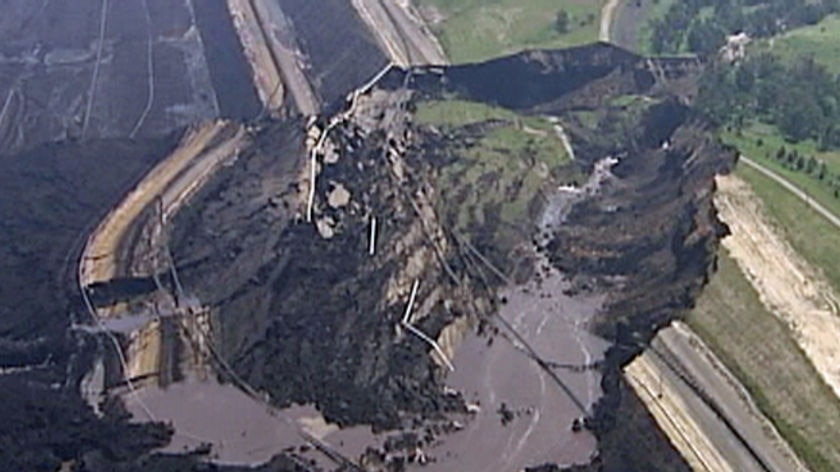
561, 22
706, 37
810, 165
799, 115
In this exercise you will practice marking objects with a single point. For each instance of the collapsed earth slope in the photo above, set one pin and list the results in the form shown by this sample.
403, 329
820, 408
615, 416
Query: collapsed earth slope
308, 309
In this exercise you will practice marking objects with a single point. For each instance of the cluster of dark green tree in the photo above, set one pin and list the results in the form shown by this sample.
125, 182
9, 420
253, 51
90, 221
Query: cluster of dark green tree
564, 22
808, 165
801, 98
701, 26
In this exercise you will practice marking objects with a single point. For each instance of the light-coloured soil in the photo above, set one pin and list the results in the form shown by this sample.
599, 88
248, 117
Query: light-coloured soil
607, 15
666, 406
792, 289
266, 77
99, 259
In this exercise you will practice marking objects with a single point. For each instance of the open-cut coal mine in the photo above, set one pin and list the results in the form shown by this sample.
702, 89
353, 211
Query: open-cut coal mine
113, 69
443, 268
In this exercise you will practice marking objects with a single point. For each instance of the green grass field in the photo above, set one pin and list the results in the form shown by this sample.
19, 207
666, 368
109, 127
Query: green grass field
476, 30
497, 177
822, 41
760, 350
747, 144
810, 234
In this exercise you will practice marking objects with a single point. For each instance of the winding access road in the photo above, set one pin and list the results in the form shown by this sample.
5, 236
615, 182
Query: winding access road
607, 18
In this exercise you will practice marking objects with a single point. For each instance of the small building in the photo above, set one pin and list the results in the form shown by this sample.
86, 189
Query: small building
735, 47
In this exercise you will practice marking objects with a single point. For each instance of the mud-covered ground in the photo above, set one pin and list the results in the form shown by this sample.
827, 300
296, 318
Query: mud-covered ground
305, 312
53, 197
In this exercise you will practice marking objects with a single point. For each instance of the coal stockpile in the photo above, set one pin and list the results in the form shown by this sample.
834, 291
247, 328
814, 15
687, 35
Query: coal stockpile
229, 68
341, 52
92, 69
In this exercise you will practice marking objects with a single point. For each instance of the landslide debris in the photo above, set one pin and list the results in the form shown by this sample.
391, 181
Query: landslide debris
306, 314
315, 285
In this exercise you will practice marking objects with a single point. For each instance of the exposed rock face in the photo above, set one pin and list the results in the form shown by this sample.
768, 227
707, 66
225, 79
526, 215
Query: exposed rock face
651, 234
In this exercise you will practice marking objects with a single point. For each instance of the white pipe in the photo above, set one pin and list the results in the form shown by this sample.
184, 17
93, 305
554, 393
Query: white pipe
434, 345
372, 249
411, 301
311, 202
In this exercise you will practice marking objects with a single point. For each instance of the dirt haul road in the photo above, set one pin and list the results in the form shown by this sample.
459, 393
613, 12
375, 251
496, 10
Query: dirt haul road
265, 71
403, 35
697, 401
173, 180
676, 411
607, 18
280, 39
760, 446
793, 290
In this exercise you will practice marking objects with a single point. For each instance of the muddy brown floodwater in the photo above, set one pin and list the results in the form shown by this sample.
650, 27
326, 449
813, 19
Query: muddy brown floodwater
533, 379
501, 373
239, 429
503, 378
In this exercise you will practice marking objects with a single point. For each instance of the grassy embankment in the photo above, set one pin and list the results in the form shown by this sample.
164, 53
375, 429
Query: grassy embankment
810, 234
496, 175
771, 140
762, 352
477, 30
758, 347
820, 41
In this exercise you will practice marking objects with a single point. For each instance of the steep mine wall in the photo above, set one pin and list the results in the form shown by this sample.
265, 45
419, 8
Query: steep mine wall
554, 81
649, 239
226, 61
652, 234
338, 48
531, 78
